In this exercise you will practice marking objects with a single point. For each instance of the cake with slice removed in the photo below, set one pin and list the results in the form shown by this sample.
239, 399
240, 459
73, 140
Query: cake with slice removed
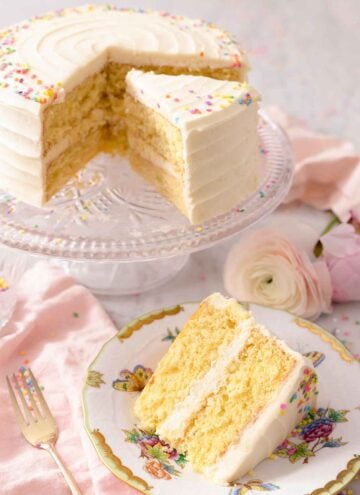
195, 139
227, 392
62, 84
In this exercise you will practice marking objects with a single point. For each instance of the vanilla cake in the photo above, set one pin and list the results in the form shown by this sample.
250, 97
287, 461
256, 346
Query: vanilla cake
194, 138
62, 84
227, 392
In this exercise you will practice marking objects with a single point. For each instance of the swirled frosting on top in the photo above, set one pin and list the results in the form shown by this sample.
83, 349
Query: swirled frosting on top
42, 58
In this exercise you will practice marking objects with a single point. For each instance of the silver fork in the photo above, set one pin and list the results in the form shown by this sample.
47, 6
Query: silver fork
38, 424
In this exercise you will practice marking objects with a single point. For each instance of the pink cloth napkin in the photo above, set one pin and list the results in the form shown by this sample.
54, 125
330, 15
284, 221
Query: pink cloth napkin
327, 169
57, 329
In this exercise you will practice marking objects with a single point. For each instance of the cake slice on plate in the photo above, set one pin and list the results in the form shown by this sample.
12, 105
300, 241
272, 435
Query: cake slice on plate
227, 392
195, 139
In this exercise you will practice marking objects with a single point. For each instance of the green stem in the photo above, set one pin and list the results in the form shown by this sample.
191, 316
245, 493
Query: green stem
318, 249
315, 445
315, 451
334, 221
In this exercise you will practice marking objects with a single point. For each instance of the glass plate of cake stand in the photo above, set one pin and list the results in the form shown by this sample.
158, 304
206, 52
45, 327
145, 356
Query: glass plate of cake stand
117, 235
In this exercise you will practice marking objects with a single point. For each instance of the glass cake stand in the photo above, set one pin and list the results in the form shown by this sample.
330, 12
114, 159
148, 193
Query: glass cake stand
117, 235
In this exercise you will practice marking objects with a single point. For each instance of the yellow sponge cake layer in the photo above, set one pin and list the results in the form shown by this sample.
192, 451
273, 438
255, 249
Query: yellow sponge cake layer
251, 381
227, 392
147, 127
207, 333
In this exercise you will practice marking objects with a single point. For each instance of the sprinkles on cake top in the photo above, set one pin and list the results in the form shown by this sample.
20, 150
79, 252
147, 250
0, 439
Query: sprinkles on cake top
23, 79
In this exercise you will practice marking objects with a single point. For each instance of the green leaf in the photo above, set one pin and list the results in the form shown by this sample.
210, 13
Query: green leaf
282, 453
181, 460
157, 453
338, 416
302, 450
132, 436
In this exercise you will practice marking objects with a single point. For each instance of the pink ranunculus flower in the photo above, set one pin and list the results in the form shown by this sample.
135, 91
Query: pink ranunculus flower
342, 255
266, 268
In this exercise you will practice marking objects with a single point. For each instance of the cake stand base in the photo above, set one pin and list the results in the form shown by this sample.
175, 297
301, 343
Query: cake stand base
122, 279
101, 277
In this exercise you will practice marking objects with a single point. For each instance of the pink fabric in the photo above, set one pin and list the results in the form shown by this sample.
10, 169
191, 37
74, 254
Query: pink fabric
57, 329
327, 169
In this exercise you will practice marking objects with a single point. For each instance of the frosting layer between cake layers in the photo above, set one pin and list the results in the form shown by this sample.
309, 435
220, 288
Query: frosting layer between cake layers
218, 124
43, 59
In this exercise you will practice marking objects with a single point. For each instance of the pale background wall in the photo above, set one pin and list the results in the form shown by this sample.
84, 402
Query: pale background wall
305, 53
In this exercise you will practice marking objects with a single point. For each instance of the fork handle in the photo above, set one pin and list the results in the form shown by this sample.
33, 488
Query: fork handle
50, 447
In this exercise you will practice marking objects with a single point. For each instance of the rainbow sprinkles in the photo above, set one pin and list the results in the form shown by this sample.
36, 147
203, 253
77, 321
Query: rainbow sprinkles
24, 80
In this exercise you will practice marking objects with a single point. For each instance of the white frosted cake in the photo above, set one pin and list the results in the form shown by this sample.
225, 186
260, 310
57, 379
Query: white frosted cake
62, 85
227, 392
195, 138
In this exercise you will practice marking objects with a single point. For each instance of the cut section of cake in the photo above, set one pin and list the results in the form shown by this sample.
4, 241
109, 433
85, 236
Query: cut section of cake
227, 392
195, 139
62, 83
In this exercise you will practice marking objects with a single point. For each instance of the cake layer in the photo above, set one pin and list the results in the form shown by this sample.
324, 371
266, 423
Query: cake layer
208, 333
82, 111
145, 127
73, 159
162, 177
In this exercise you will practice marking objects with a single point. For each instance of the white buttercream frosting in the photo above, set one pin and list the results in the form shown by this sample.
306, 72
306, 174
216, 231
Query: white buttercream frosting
47, 55
259, 440
217, 120
43, 58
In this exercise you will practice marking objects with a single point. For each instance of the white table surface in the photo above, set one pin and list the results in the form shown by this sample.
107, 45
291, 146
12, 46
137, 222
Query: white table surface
305, 58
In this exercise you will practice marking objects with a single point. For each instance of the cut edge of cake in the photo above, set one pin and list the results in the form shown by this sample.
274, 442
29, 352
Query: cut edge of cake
195, 139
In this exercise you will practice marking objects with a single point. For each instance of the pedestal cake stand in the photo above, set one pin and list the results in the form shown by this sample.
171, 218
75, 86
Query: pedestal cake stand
117, 235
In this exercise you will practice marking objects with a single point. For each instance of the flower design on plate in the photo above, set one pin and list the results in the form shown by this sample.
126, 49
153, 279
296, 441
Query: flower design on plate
154, 467
94, 379
171, 334
252, 485
313, 434
132, 381
162, 460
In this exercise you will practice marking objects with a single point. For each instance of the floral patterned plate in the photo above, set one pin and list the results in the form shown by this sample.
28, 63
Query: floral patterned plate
319, 457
